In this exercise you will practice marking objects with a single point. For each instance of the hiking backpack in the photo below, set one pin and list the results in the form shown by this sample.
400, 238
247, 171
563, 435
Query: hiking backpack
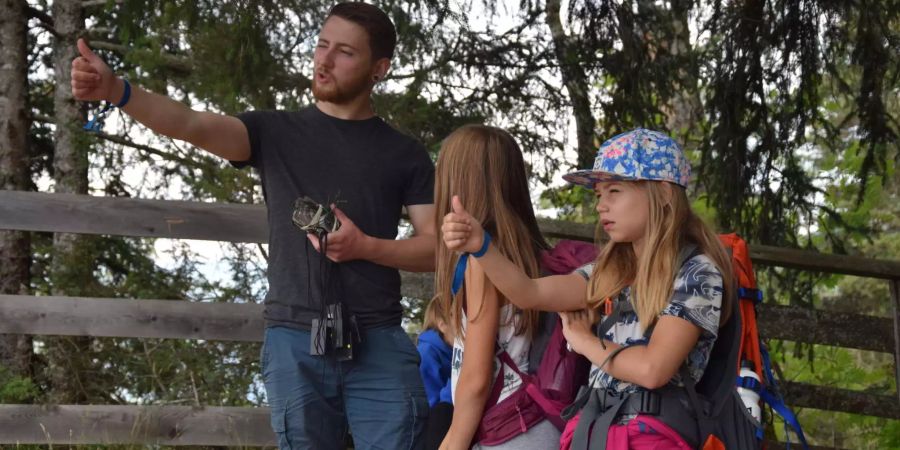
709, 414
751, 347
555, 372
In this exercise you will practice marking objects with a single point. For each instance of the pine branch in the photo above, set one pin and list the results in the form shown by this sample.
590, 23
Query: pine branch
90, 3
184, 65
178, 63
168, 156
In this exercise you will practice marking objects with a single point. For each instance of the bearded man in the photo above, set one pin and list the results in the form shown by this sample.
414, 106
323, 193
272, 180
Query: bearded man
335, 147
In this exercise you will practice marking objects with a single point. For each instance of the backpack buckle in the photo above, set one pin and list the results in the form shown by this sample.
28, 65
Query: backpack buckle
754, 295
607, 307
650, 402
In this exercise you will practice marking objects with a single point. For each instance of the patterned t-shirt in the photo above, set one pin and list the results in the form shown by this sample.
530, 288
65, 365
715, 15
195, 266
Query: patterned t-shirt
697, 298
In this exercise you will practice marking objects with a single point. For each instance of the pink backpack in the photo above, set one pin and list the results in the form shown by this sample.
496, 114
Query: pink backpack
558, 374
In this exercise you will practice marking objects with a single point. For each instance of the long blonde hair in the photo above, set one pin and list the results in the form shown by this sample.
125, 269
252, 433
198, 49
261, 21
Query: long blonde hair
671, 225
434, 315
484, 167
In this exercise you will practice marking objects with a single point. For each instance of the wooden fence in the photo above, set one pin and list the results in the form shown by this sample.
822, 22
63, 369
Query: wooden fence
235, 426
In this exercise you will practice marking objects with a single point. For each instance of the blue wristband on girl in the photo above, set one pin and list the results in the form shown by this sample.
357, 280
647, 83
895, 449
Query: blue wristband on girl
460, 272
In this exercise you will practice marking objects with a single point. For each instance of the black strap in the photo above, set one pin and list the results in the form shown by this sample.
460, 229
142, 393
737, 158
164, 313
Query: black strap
611, 355
590, 401
621, 306
581, 398
704, 422
601, 408
589, 424
597, 400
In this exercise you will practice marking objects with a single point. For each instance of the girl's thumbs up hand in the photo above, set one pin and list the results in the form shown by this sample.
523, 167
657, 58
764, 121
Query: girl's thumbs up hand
460, 231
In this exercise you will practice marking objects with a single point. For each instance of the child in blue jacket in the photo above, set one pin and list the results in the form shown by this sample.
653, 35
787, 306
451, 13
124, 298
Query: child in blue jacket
435, 350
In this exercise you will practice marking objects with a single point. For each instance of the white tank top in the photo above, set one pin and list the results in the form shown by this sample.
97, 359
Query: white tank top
517, 346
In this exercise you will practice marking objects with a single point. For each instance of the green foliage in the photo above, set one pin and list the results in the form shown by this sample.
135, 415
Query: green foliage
15, 389
855, 370
574, 203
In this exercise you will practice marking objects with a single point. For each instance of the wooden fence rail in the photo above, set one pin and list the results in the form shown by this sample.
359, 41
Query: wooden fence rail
178, 319
126, 424
147, 425
166, 319
174, 319
84, 214
71, 213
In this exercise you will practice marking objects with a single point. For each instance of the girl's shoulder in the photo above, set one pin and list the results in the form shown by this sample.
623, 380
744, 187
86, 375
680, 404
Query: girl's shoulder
697, 295
698, 281
699, 263
699, 270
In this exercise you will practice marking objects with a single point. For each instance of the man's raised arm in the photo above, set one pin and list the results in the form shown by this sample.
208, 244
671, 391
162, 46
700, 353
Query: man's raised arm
221, 135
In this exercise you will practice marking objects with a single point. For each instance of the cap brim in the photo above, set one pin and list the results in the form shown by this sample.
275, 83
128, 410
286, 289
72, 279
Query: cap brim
588, 178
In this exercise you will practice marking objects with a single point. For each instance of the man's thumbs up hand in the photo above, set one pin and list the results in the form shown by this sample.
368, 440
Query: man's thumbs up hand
92, 79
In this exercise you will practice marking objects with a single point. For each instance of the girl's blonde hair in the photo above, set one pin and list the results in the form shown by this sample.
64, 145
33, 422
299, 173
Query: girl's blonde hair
434, 313
670, 226
484, 167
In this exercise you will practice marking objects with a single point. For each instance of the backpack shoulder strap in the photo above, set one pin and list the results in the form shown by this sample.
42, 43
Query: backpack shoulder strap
620, 306
546, 324
497, 387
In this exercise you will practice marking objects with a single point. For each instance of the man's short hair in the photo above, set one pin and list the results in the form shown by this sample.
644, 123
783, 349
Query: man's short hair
382, 34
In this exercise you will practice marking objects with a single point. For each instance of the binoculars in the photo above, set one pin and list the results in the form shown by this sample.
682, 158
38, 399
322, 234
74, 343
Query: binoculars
334, 334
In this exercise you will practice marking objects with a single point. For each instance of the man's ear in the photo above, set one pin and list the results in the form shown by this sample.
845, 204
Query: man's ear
380, 69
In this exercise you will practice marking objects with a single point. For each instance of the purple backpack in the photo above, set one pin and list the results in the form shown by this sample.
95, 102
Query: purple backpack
558, 371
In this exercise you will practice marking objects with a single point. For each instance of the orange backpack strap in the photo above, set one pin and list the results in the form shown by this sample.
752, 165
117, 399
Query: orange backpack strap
748, 295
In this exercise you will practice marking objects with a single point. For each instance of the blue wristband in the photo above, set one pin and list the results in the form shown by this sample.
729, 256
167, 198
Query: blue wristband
485, 243
125, 95
96, 124
460, 272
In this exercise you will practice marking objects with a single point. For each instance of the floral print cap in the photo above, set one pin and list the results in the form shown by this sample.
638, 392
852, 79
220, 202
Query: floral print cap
639, 154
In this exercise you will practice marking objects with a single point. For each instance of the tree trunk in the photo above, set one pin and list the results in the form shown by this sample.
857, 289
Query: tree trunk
70, 270
70, 162
575, 81
15, 246
684, 108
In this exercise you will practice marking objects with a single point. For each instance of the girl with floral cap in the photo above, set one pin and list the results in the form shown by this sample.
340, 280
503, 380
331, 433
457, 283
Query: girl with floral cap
661, 270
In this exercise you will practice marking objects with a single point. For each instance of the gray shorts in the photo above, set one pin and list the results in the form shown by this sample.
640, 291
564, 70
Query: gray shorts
543, 436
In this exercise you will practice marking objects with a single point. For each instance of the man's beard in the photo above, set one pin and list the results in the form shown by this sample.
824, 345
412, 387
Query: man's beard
334, 93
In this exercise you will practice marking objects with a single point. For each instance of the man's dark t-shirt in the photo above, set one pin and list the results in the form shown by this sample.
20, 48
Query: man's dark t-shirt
372, 169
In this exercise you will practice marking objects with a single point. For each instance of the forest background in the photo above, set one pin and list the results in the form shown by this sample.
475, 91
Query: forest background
788, 109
